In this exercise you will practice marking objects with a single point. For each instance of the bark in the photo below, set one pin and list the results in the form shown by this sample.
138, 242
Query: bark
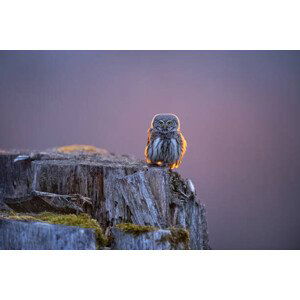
112, 189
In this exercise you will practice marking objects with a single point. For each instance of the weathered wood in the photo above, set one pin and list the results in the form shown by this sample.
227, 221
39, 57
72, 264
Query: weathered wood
120, 189
36, 202
4, 207
22, 235
147, 198
15, 178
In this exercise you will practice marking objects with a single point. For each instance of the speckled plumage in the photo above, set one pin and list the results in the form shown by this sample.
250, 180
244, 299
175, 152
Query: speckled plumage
166, 145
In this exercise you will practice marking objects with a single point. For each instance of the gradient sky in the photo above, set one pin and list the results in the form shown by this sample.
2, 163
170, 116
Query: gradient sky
239, 111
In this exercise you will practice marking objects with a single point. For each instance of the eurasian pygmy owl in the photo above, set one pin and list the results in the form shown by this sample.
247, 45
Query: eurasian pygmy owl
166, 145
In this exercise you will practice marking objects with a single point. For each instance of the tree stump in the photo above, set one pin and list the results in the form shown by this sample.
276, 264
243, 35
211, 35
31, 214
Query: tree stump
112, 189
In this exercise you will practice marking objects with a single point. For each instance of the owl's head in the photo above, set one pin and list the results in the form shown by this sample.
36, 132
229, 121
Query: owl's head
165, 123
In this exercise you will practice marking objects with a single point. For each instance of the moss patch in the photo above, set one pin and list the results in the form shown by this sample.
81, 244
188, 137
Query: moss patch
178, 236
135, 229
80, 220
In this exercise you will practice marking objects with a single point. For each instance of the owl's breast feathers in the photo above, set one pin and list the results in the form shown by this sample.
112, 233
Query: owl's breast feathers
165, 148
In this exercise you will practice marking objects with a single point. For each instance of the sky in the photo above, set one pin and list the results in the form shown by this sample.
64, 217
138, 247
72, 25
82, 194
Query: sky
239, 112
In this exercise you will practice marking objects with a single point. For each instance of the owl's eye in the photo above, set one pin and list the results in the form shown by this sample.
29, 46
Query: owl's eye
161, 122
169, 122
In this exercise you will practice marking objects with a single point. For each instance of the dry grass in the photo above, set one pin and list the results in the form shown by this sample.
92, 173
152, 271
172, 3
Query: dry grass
82, 148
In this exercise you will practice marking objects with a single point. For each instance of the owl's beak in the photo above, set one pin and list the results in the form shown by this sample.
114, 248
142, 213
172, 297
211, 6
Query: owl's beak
165, 126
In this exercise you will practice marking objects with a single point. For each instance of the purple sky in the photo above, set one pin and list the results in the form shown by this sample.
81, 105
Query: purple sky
239, 111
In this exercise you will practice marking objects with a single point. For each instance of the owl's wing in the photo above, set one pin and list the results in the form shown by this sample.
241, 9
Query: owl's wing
148, 144
183, 145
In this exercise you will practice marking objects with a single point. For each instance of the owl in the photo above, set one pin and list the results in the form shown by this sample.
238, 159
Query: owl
166, 145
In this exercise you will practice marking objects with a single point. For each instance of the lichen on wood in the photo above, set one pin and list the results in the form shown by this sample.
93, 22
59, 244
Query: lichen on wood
36, 235
80, 220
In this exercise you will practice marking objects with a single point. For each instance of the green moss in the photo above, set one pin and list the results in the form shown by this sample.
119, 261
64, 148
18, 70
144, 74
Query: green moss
175, 238
80, 220
178, 236
135, 229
